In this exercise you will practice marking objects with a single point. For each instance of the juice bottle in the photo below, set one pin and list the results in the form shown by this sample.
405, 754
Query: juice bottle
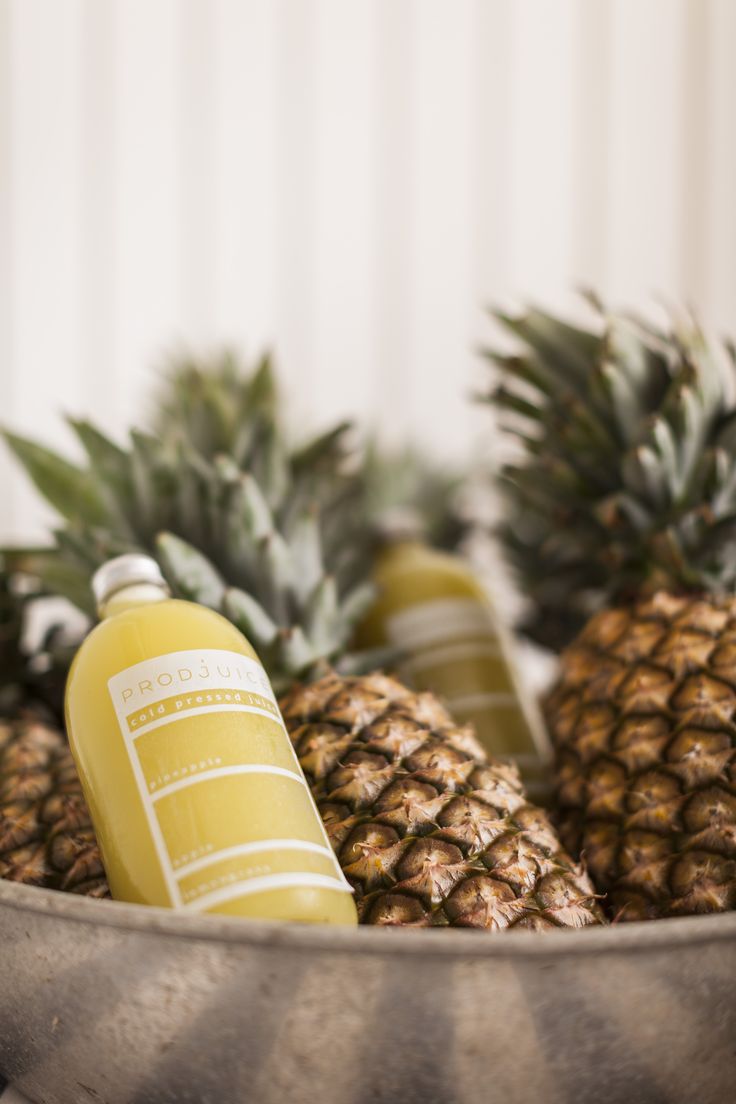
195, 791
431, 607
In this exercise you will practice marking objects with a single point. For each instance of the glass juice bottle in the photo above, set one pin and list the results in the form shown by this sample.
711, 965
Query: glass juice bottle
431, 607
195, 791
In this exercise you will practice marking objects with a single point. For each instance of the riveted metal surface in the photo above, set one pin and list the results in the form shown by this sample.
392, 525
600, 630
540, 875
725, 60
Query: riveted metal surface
116, 1003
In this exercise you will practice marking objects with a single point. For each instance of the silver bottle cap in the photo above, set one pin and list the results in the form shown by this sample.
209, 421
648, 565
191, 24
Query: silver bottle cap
124, 571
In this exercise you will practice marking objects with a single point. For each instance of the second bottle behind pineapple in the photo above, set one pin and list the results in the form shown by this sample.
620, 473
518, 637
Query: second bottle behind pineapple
434, 611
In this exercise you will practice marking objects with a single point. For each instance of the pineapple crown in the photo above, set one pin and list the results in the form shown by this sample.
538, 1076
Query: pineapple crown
217, 407
625, 474
264, 532
406, 480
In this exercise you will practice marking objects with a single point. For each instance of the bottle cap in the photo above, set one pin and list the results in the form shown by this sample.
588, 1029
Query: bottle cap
125, 571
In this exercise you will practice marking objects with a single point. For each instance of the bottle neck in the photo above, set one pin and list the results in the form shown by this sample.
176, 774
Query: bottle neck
137, 594
400, 546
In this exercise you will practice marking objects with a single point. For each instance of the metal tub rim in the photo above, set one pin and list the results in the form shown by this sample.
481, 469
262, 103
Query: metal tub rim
622, 938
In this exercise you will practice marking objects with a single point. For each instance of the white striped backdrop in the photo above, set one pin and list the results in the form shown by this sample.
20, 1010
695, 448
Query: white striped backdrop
347, 181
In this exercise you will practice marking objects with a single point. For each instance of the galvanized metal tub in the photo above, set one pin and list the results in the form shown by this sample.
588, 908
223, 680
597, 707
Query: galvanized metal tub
113, 1003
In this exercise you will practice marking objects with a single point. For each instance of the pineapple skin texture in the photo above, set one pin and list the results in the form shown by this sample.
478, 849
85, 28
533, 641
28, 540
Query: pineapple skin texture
644, 725
427, 830
46, 835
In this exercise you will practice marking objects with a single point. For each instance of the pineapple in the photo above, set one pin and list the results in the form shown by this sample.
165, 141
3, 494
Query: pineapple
428, 831
46, 836
622, 521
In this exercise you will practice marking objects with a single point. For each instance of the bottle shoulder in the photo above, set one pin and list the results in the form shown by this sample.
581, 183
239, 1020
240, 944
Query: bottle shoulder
418, 566
188, 617
144, 632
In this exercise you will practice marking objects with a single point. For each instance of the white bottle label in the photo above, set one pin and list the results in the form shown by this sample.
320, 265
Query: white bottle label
455, 648
438, 621
156, 691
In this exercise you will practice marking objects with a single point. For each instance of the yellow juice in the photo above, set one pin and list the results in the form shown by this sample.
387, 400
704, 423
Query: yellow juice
196, 794
432, 608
